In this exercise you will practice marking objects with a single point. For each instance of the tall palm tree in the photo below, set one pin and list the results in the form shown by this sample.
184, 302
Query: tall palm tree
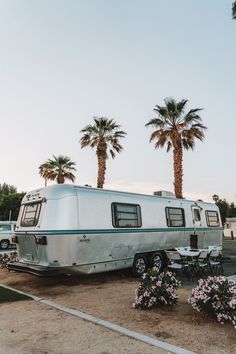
234, 9
58, 168
174, 128
103, 136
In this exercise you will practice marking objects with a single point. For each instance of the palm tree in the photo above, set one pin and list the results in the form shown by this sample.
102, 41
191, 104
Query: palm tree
103, 136
174, 128
234, 9
59, 168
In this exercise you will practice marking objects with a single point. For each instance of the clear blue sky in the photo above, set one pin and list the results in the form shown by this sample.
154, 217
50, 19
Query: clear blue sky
63, 62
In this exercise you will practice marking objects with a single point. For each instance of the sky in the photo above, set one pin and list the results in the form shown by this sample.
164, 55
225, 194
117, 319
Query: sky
64, 62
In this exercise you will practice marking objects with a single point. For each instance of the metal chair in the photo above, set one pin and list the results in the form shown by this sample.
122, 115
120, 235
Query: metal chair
215, 261
176, 262
201, 263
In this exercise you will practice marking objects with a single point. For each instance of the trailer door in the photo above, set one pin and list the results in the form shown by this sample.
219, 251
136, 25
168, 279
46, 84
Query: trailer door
196, 239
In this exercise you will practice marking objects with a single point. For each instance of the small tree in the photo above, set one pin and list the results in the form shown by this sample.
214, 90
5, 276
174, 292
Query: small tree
178, 130
10, 205
58, 168
215, 296
156, 289
226, 210
6, 189
104, 136
10, 202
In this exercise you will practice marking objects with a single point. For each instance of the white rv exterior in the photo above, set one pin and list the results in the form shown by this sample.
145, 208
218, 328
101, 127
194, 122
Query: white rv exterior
71, 228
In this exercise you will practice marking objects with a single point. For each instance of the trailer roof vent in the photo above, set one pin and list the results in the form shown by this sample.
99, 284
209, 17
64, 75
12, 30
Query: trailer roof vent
164, 194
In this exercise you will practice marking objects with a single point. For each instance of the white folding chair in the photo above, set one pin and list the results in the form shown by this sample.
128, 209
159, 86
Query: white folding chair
215, 261
176, 262
202, 262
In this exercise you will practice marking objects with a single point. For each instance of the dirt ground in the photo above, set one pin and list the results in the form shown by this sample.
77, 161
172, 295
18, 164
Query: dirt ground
34, 328
110, 296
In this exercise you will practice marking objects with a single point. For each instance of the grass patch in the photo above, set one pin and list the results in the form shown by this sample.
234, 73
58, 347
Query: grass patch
7, 295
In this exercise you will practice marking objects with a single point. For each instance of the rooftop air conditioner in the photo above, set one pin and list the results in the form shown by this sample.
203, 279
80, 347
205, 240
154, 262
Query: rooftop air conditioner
164, 194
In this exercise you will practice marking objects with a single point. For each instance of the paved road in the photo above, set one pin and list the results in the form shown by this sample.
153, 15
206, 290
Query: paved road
229, 246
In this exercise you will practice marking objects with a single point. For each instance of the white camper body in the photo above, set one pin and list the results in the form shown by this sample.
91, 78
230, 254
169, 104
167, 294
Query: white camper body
88, 230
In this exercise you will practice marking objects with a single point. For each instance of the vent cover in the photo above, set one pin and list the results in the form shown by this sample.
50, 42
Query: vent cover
164, 194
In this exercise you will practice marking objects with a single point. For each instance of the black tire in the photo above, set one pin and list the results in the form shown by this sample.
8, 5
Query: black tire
157, 260
4, 244
140, 265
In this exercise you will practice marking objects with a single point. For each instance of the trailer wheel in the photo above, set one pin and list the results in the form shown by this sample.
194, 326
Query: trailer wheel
157, 260
4, 244
140, 265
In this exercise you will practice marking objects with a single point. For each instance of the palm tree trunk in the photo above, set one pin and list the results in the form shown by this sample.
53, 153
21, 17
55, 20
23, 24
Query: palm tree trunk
60, 178
102, 157
178, 169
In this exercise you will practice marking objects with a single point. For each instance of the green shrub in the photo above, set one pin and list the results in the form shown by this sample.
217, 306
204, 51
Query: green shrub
6, 258
156, 289
216, 296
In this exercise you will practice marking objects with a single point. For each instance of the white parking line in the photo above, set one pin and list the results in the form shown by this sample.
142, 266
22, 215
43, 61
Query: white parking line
138, 336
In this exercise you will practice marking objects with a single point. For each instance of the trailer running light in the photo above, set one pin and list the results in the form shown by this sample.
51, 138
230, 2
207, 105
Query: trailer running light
14, 239
41, 240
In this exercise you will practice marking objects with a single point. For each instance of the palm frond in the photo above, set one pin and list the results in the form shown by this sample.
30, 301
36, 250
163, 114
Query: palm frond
155, 122
193, 116
161, 142
162, 111
181, 106
169, 146
234, 10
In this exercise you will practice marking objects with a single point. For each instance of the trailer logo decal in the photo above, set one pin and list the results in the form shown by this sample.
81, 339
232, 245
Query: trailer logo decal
84, 239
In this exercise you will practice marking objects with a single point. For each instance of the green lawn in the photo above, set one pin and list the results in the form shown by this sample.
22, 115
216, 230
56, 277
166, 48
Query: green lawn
7, 295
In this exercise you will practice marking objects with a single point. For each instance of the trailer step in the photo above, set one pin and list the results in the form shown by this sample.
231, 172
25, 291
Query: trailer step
33, 269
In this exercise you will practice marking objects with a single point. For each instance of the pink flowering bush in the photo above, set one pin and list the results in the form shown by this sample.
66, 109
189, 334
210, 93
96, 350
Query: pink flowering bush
216, 296
156, 289
6, 258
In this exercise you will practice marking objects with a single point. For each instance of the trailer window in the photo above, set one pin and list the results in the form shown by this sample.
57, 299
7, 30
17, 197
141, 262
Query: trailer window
30, 214
212, 218
126, 215
175, 217
197, 216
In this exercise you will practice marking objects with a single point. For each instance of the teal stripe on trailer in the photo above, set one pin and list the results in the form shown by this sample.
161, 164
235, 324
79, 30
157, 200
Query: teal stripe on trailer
110, 231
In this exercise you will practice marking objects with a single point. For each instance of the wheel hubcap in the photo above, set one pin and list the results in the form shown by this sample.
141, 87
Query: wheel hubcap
157, 261
140, 266
4, 244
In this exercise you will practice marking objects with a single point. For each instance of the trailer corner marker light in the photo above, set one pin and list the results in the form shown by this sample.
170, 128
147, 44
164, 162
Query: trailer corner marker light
41, 240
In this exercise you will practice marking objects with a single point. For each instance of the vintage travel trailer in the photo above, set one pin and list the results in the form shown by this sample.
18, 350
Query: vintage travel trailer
68, 228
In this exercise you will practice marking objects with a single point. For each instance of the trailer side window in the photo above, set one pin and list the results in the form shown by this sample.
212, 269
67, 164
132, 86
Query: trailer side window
30, 214
197, 216
212, 218
126, 215
175, 217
